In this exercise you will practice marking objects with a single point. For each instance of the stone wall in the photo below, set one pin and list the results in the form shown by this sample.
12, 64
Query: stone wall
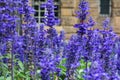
68, 7
116, 15
68, 19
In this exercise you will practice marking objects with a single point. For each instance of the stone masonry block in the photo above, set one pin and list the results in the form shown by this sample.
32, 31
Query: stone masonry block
67, 3
68, 21
66, 12
69, 29
116, 12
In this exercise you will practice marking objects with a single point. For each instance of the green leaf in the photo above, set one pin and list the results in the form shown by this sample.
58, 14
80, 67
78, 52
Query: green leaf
21, 65
62, 67
28, 72
63, 61
2, 78
28, 78
8, 78
8, 55
21, 75
1, 57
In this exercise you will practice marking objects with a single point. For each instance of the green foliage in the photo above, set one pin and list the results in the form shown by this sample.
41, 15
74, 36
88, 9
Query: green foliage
4, 70
20, 73
80, 70
63, 69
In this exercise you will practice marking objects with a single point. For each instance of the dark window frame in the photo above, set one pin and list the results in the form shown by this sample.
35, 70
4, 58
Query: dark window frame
39, 12
105, 8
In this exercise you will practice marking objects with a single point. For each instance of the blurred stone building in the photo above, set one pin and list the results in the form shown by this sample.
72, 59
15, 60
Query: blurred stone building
65, 10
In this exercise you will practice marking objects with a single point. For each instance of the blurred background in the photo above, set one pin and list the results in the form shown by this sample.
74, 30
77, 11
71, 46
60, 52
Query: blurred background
65, 10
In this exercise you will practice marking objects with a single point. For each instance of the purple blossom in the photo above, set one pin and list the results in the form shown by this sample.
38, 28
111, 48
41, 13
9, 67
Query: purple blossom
103, 54
50, 19
83, 10
96, 72
106, 23
82, 14
46, 48
48, 64
72, 57
53, 44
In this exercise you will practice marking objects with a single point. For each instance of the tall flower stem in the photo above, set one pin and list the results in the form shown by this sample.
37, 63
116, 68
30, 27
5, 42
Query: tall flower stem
35, 65
12, 65
86, 69
10, 60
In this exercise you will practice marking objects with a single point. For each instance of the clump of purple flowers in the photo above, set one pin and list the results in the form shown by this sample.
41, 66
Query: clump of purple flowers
54, 44
95, 46
50, 19
104, 56
43, 50
79, 46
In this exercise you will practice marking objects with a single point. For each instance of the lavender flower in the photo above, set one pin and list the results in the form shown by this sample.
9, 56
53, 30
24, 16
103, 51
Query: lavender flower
43, 50
96, 72
103, 53
50, 19
28, 31
79, 46
48, 64
53, 44
106, 23
72, 57
83, 10
82, 14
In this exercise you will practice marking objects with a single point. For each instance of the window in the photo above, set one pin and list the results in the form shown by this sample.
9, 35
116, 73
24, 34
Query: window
105, 7
39, 12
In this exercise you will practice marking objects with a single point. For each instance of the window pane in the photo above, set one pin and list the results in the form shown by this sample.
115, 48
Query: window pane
105, 7
56, 0
36, 14
36, 0
56, 7
42, 0
39, 14
41, 20
36, 7
42, 14
105, 10
56, 14
36, 19
105, 1
42, 8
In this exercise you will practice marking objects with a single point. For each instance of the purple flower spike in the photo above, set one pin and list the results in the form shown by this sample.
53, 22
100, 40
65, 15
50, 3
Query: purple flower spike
82, 14
106, 23
50, 19
83, 10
